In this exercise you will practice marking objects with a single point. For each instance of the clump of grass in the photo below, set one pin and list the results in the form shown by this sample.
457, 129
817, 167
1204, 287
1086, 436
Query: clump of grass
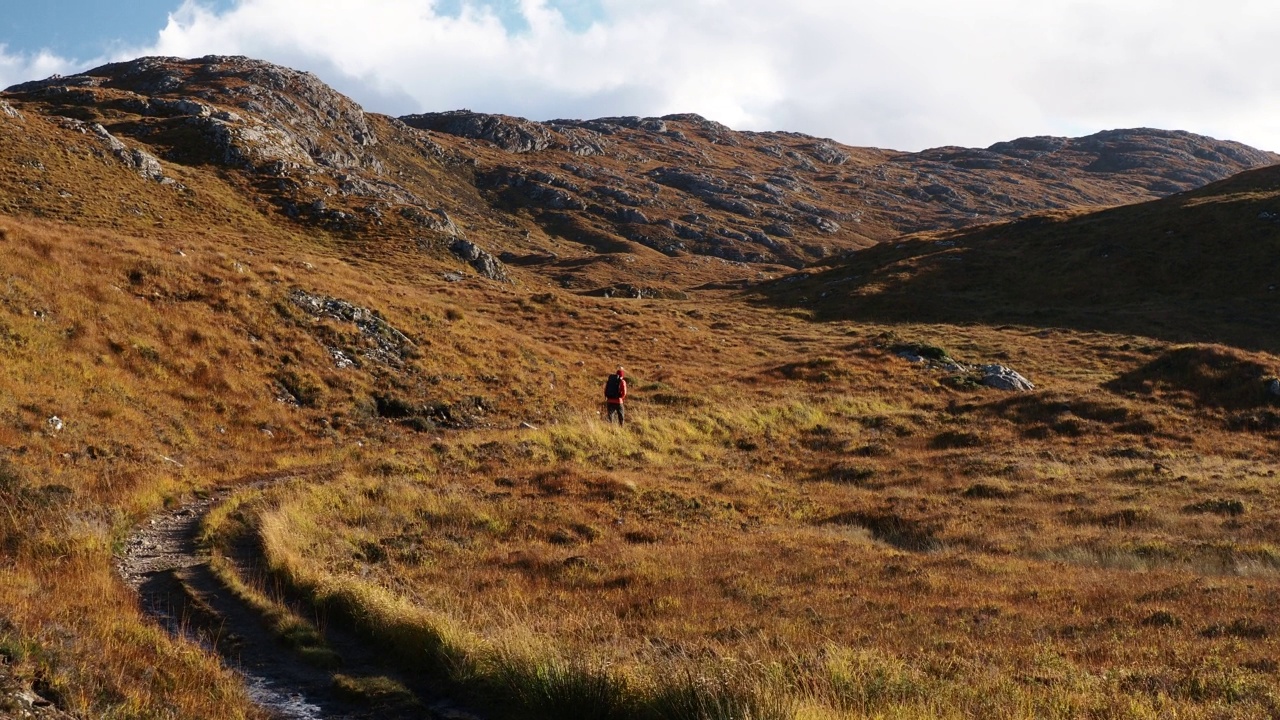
377, 692
720, 695
847, 473
988, 491
953, 439
1218, 506
558, 688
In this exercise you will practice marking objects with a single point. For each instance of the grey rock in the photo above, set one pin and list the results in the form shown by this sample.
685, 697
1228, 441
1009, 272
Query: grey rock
733, 234
140, 161
772, 190
938, 189
515, 135
1004, 378
386, 344
585, 148
10, 111
620, 195
552, 197
1273, 387
630, 215
780, 229
698, 184
541, 188
687, 233
341, 360
802, 161
734, 205
825, 225
613, 125
251, 146
433, 219
698, 121
480, 259
829, 154
176, 107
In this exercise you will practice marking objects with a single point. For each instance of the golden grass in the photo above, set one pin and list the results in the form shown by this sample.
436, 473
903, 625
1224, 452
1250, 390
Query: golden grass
794, 523
692, 555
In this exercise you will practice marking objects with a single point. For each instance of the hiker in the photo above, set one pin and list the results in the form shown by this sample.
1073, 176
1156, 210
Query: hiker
615, 391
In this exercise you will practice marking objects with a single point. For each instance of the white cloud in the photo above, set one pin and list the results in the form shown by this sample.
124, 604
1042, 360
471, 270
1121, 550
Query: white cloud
892, 73
17, 68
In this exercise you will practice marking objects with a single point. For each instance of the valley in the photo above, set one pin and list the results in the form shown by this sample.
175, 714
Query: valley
363, 357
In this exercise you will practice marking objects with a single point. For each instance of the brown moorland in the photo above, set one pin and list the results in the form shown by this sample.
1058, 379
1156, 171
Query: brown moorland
798, 520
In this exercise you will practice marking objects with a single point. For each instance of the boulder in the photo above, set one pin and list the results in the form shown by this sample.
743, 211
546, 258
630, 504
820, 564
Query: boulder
1004, 378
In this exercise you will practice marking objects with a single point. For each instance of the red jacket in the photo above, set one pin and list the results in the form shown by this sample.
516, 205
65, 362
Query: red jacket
622, 391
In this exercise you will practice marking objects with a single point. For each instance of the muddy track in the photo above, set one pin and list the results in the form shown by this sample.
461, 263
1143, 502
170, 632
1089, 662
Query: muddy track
177, 587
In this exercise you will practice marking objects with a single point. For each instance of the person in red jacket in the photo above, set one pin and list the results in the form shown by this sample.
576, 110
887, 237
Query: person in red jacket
615, 391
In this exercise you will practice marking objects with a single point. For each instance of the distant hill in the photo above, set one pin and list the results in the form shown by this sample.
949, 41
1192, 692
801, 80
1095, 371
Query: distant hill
567, 198
1202, 265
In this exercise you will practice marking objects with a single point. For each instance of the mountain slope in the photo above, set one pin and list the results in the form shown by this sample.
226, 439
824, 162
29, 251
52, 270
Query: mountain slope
1202, 265
562, 196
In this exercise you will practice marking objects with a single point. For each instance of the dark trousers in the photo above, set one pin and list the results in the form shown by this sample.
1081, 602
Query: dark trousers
614, 409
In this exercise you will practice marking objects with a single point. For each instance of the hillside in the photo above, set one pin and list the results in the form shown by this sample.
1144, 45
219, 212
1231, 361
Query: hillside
300, 415
562, 196
1201, 266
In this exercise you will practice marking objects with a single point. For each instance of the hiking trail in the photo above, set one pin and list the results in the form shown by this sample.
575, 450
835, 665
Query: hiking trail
176, 586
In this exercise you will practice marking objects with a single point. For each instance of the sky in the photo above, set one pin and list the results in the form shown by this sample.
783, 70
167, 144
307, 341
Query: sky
901, 74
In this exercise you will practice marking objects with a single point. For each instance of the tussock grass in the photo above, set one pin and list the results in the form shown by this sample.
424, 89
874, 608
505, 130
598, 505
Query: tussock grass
527, 578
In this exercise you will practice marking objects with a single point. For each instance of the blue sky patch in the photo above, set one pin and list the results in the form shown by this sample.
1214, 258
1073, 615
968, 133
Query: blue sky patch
85, 28
578, 14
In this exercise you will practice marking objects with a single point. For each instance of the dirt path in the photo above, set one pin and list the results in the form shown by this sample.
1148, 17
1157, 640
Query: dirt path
177, 588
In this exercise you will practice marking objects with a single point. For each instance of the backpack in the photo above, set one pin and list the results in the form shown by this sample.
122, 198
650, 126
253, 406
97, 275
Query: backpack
613, 387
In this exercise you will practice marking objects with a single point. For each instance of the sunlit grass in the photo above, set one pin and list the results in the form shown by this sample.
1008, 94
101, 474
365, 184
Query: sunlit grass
821, 533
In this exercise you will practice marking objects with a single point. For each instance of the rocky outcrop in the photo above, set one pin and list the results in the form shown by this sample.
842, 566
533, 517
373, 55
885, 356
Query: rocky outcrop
9, 111
515, 135
1169, 160
384, 343
480, 260
678, 184
140, 161
295, 117
315, 154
